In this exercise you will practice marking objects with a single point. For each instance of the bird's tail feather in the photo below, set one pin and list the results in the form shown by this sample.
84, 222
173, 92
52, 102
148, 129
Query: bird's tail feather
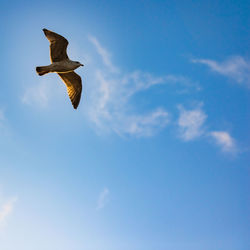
42, 70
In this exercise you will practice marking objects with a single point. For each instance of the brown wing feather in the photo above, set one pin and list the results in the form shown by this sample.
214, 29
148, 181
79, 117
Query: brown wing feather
58, 46
74, 87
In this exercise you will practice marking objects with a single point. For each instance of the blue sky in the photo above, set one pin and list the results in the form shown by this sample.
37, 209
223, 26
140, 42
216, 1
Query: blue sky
157, 154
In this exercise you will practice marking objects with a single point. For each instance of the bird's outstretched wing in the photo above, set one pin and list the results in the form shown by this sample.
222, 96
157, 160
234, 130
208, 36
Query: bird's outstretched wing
58, 46
74, 86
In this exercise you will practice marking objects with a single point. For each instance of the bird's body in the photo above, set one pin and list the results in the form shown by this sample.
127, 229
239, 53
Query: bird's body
62, 65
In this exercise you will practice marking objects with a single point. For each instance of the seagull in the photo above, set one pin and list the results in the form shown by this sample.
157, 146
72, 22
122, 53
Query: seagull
63, 66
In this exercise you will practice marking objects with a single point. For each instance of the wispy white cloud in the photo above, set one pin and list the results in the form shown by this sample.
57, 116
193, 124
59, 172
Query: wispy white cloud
105, 55
6, 209
37, 94
110, 106
224, 140
235, 67
45, 91
144, 125
103, 198
191, 122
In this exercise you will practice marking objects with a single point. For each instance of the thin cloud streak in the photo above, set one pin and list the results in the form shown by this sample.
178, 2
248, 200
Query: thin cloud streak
191, 123
37, 94
224, 140
42, 93
144, 125
235, 67
105, 55
110, 107
102, 199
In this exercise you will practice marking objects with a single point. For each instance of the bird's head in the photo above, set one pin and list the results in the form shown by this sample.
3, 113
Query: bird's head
78, 64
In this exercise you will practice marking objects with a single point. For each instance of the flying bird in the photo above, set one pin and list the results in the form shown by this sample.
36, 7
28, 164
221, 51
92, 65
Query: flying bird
63, 66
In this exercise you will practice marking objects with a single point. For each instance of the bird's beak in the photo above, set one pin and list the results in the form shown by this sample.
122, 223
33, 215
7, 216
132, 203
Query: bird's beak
81, 65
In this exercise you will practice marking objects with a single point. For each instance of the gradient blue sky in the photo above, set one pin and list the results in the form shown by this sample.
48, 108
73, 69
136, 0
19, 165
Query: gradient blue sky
156, 156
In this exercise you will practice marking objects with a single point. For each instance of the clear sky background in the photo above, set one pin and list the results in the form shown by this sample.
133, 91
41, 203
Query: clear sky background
156, 156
